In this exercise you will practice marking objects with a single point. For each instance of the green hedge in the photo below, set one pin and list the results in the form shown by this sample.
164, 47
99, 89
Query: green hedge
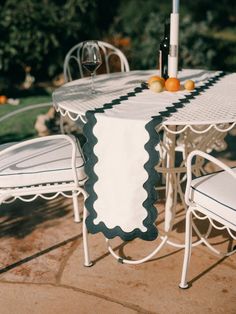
207, 32
37, 34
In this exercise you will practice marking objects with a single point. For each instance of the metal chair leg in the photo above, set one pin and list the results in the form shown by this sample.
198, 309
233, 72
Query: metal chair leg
76, 207
187, 253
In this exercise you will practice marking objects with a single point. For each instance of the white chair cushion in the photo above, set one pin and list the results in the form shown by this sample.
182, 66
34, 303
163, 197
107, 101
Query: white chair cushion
39, 163
216, 193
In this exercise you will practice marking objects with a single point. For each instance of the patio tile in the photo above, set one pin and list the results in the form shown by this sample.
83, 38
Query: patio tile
49, 299
153, 286
35, 240
42, 269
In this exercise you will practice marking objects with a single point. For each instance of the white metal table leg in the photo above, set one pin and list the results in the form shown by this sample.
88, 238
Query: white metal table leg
170, 205
87, 260
138, 261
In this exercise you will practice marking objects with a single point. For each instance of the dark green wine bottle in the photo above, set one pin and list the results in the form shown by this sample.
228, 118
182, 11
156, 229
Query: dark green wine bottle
164, 52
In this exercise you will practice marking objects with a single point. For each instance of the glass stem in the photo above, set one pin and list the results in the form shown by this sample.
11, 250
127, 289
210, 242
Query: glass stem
92, 83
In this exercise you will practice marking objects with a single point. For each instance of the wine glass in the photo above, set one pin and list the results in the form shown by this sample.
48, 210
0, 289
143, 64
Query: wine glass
91, 59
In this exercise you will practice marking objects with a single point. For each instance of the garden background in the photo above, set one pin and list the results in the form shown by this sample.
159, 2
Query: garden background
35, 36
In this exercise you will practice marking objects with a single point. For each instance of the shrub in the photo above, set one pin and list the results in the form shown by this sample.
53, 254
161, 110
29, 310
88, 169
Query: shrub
201, 44
37, 34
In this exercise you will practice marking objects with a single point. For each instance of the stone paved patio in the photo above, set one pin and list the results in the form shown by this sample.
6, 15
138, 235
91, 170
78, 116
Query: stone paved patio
42, 269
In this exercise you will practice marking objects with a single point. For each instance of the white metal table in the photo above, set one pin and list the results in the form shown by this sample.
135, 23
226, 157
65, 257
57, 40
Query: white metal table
208, 111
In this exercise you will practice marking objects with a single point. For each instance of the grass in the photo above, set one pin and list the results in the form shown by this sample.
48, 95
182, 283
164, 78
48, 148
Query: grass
21, 126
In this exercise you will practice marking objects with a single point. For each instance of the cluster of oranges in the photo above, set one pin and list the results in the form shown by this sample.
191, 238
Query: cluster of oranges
172, 84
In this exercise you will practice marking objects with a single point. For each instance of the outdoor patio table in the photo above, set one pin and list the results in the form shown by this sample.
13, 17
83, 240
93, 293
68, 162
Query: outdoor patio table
122, 124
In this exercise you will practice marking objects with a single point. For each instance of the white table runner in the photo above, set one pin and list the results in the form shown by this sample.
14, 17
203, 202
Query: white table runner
121, 156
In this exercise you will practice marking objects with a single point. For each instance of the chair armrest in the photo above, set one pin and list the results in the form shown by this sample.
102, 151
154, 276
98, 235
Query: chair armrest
207, 157
31, 107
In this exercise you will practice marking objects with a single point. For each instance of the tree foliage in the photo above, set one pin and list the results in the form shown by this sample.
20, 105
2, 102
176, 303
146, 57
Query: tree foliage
37, 34
207, 32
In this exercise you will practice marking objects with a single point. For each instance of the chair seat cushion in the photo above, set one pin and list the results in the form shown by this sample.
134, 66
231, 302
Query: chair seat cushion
42, 162
216, 193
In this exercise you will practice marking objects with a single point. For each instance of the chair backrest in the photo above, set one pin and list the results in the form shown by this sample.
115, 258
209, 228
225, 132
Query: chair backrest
114, 60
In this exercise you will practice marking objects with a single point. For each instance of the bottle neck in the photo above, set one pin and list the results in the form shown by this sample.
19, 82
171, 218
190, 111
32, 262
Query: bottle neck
167, 31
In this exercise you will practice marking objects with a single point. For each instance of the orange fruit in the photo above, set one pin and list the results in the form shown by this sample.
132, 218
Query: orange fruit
156, 78
172, 84
189, 85
3, 99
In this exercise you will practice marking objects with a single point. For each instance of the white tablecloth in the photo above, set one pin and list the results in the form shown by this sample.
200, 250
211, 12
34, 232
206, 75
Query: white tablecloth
121, 155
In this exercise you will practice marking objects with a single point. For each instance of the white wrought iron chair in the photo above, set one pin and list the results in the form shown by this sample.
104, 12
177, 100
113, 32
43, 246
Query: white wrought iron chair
113, 59
187, 142
46, 166
209, 197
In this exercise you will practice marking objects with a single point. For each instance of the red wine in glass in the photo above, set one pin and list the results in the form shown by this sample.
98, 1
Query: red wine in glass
91, 59
91, 66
